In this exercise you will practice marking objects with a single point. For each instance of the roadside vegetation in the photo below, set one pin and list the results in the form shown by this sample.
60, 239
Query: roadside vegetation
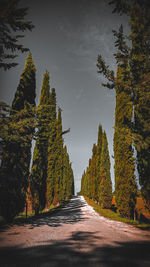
114, 215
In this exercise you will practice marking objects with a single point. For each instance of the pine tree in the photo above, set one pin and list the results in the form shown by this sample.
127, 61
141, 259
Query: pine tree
17, 155
105, 186
39, 166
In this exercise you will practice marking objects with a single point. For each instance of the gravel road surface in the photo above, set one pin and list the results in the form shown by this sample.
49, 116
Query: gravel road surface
74, 236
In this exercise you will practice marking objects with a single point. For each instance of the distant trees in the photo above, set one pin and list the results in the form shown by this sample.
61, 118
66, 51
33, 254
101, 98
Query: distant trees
16, 154
132, 105
96, 181
105, 186
98, 161
12, 21
60, 179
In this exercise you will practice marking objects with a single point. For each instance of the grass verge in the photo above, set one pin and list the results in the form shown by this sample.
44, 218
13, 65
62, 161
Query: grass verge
21, 218
110, 214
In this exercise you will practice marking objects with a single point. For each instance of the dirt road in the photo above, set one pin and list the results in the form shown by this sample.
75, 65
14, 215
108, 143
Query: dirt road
74, 236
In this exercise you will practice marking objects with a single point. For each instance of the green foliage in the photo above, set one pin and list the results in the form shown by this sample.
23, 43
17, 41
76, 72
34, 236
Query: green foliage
105, 186
60, 180
98, 162
110, 214
26, 87
51, 180
17, 154
12, 21
96, 181
39, 166
140, 68
125, 185
139, 61
68, 178
108, 74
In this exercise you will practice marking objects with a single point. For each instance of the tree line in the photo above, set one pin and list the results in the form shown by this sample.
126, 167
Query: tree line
50, 179
96, 180
132, 112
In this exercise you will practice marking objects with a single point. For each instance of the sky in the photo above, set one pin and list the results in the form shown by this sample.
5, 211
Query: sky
67, 38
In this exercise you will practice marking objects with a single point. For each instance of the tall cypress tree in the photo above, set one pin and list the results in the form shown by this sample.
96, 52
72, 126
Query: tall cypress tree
68, 178
123, 141
39, 166
17, 155
52, 151
105, 186
93, 172
65, 172
139, 59
96, 181
98, 161
125, 185
58, 191
140, 69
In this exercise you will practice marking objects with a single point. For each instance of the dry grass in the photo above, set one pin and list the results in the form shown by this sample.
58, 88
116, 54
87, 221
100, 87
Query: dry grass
142, 223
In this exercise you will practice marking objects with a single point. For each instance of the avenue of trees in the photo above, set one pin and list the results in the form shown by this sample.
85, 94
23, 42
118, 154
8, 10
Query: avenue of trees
132, 113
50, 180
48, 176
96, 180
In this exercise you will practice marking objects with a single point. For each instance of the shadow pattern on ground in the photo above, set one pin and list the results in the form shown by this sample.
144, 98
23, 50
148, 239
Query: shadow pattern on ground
79, 250
69, 213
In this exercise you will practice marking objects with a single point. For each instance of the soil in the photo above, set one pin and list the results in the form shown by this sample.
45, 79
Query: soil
74, 236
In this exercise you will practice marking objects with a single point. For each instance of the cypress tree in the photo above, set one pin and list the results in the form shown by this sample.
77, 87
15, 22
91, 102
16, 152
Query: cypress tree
96, 181
68, 179
105, 186
58, 191
125, 185
139, 59
17, 155
60, 180
140, 69
85, 182
98, 161
65, 172
26, 87
52, 151
39, 166
93, 171
123, 141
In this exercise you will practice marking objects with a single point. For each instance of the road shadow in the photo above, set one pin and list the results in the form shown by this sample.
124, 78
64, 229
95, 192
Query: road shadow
80, 249
69, 213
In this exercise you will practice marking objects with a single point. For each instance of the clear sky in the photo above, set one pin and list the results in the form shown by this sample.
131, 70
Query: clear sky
66, 40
